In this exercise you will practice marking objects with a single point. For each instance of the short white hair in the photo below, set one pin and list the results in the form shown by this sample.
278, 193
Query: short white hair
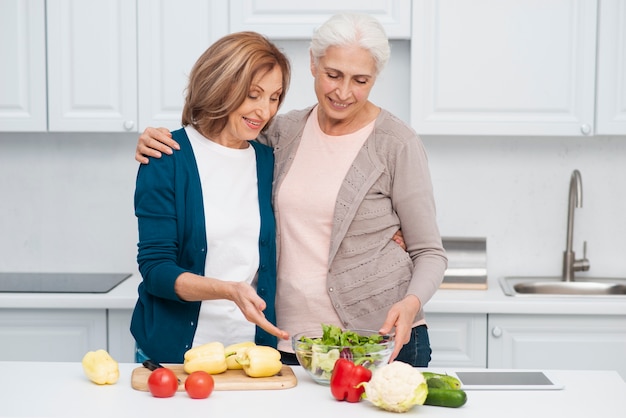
346, 29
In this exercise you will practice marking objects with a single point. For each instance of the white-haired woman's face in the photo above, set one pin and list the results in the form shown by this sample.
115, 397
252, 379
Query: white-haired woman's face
344, 77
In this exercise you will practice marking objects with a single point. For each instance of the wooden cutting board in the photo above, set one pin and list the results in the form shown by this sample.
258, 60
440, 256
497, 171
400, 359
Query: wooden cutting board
229, 380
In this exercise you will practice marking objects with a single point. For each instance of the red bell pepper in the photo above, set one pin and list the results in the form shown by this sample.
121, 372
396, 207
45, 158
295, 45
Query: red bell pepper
346, 379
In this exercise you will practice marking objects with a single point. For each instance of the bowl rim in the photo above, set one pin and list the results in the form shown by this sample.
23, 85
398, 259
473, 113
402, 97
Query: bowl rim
388, 339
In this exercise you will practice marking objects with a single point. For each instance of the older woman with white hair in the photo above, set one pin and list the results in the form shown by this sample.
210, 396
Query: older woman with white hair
348, 175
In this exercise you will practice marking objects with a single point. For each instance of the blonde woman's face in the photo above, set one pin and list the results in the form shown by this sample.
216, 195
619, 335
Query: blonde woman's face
344, 77
261, 104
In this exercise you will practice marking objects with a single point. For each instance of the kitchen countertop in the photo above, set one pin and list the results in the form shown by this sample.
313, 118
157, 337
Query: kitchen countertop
61, 390
492, 300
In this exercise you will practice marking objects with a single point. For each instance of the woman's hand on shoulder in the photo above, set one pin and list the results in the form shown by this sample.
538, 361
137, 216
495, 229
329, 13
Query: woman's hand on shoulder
399, 239
153, 142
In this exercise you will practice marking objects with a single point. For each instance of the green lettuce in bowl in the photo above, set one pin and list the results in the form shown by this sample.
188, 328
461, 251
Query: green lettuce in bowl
317, 350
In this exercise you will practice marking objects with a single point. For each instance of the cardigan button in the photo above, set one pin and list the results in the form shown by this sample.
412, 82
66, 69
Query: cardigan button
330, 289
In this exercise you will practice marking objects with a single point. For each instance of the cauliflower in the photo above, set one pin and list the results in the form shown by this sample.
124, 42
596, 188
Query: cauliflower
396, 387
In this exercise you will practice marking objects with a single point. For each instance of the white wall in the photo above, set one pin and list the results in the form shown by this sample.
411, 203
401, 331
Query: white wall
514, 191
66, 202
66, 199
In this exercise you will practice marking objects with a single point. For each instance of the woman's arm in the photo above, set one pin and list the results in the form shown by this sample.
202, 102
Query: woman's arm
152, 142
159, 245
191, 287
413, 200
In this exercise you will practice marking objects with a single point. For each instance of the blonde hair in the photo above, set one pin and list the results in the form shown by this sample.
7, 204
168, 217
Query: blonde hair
221, 78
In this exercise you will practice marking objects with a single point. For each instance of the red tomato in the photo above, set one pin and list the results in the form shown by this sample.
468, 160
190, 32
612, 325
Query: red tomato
162, 383
199, 385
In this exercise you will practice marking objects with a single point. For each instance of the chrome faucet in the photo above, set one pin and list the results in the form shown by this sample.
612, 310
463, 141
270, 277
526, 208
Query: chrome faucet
570, 264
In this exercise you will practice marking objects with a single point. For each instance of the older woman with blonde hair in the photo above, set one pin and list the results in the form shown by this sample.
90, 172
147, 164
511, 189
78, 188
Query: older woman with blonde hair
206, 250
349, 175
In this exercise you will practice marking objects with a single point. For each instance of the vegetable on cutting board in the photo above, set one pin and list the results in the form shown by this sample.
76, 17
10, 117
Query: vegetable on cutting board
199, 385
209, 357
233, 350
100, 367
260, 361
162, 383
346, 379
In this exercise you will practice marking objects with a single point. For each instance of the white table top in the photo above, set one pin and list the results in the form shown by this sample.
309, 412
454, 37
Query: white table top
31, 389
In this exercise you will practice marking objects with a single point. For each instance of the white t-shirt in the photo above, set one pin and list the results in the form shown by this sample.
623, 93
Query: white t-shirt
231, 209
306, 203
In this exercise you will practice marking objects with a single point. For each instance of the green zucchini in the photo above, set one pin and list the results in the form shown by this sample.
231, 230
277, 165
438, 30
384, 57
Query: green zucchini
441, 381
436, 383
451, 398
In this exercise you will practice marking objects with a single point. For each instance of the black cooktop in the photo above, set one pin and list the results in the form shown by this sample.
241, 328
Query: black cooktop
60, 282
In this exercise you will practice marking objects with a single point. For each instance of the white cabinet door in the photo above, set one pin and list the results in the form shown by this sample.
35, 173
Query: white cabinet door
288, 19
92, 65
171, 37
23, 66
51, 334
492, 67
120, 341
611, 87
458, 340
557, 342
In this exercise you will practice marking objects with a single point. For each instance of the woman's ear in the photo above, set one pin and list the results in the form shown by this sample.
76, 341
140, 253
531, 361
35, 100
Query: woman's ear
313, 64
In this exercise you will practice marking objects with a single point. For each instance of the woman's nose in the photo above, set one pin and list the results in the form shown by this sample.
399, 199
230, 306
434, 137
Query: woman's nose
343, 90
265, 109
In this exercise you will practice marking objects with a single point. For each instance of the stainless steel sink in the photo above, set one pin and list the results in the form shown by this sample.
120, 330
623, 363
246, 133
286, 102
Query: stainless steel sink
568, 284
555, 286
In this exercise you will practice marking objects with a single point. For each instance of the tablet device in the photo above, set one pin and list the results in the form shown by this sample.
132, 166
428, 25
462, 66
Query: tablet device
507, 380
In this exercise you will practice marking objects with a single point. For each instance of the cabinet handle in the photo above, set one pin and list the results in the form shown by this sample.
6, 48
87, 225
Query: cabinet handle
496, 332
585, 129
129, 124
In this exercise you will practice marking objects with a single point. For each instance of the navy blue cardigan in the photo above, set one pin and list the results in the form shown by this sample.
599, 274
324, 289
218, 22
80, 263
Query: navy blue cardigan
172, 240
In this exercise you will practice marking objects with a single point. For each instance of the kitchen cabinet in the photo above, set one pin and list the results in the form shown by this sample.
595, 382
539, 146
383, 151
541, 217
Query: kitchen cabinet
171, 37
87, 50
611, 81
520, 67
113, 65
458, 340
65, 334
575, 342
92, 65
23, 66
286, 19
120, 341
51, 334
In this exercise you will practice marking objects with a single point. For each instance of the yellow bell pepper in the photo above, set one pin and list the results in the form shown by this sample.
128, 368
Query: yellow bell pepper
209, 357
260, 361
100, 367
233, 350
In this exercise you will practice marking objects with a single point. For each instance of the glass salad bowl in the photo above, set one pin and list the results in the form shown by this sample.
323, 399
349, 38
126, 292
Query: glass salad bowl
317, 350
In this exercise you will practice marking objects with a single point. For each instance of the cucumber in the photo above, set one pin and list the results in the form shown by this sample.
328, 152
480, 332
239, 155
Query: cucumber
441, 381
450, 398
